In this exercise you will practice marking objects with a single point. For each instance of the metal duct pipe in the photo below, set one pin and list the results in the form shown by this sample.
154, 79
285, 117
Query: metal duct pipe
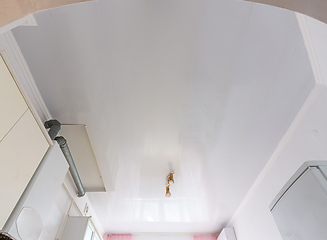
55, 126
72, 168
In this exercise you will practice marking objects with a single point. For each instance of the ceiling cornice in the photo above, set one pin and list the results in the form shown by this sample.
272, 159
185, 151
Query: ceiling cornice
310, 46
25, 78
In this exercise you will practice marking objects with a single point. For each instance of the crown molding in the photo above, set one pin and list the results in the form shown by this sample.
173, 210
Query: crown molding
25, 78
30, 21
12, 25
25, 21
310, 46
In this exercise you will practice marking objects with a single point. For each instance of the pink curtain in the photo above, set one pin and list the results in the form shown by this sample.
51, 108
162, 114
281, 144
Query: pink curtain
205, 237
117, 237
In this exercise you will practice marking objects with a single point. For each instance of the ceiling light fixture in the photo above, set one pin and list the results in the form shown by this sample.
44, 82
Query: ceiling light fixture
170, 181
168, 194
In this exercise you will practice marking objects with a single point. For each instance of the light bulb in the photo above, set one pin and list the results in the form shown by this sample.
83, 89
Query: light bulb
168, 194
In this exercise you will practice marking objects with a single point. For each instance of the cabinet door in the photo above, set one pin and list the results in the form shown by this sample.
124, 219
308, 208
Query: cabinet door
21, 151
88, 233
302, 211
12, 104
75, 228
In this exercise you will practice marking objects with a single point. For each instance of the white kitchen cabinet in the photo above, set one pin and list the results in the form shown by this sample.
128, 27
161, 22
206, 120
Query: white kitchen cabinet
227, 234
12, 103
300, 208
46, 182
20, 154
23, 141
79, 228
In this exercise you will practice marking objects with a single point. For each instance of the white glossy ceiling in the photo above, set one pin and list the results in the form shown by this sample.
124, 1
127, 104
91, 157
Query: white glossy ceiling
203, 87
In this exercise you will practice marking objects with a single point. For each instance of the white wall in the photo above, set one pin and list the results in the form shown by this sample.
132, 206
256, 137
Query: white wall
305, 140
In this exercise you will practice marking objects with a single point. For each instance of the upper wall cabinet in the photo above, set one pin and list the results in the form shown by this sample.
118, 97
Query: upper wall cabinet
23, 141
20, 152
79, 228
12, 103
300, 208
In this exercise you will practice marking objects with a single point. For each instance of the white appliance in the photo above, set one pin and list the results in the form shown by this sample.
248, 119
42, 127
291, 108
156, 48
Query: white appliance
300, 208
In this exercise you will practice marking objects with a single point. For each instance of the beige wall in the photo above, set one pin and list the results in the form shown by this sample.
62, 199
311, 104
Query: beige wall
313, 8
12, 10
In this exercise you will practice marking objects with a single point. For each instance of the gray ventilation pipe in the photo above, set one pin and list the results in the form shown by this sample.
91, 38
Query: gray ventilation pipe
55, 126
72, 168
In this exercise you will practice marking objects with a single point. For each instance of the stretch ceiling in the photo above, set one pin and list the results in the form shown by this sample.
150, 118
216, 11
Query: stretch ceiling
206, 88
